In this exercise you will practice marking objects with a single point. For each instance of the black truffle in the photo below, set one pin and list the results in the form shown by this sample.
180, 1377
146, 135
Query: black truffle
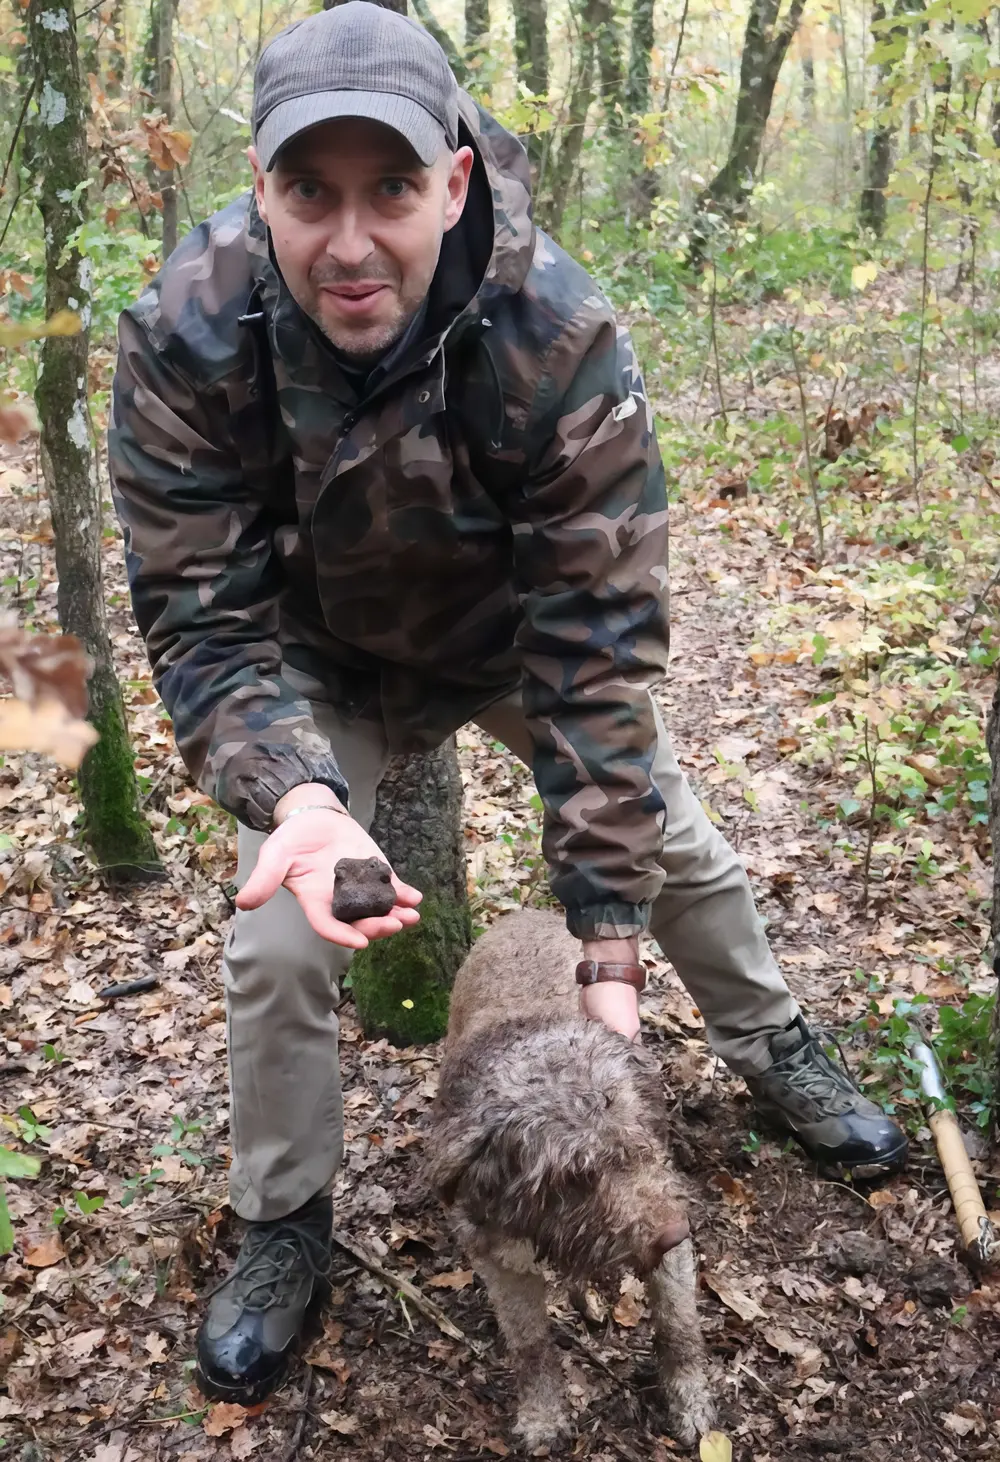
362, 889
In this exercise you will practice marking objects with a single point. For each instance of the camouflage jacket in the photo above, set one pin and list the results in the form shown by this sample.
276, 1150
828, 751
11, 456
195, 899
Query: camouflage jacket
493, 514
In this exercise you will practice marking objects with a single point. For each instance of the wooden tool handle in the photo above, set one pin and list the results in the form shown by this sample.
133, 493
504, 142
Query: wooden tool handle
965, 1195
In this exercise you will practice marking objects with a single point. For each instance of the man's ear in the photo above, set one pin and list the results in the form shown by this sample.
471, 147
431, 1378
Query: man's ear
258, 181
460, 170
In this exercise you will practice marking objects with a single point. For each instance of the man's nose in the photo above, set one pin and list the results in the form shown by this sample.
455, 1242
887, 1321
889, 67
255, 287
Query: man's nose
350, 242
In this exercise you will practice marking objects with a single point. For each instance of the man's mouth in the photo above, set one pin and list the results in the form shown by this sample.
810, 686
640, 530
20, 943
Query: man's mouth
356, 299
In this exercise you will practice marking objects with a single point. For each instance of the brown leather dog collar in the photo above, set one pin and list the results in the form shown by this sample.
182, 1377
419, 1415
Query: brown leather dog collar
593, 972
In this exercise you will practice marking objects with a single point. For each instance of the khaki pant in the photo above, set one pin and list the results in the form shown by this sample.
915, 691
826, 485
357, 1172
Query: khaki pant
281, 979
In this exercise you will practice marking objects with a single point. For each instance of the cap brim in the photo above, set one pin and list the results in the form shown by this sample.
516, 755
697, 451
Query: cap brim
290, 119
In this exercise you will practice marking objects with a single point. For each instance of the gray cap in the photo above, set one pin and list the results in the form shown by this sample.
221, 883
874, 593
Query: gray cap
356, 60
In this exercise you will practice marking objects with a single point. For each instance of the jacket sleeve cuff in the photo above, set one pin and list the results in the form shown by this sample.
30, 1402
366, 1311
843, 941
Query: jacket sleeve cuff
608, 921
252, 793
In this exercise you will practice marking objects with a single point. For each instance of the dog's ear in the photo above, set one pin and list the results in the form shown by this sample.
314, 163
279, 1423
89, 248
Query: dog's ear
453, 1146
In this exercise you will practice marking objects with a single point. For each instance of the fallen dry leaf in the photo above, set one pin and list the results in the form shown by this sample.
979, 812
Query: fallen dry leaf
242, 1443
155, 1347
827, 903
225, 1417
108, 1452
85, 1343
457, 1279
497, 1446
715, 1447
628, 1311
734, 1299
338, 1421
881, 1198
46, 1252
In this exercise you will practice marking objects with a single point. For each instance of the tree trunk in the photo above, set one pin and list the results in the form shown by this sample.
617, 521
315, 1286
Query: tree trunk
878, 164
562, 170
121, 841
430, 22
993, 746
764, 49
531, 50
640, 49
609, 63
115, 79
165, 12
808, 79
477, 27
402, 985
637, 97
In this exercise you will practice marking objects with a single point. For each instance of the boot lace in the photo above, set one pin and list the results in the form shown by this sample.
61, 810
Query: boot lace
811, 1072
272, 1260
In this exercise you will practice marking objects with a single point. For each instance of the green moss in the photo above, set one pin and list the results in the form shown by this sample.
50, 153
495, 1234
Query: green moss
121, 841
416, 966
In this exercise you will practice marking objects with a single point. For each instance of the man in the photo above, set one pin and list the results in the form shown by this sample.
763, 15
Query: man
385, 465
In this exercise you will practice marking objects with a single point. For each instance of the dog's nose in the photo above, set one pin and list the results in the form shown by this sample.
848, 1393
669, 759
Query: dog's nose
670, 1236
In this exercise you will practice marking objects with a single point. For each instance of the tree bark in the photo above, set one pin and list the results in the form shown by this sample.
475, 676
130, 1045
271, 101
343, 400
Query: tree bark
531, 44
764, 49
640, 49
430, 22
993, 746
121, 841
165, 12
402, 985
881, 145
477, 27
562, 169
609, 62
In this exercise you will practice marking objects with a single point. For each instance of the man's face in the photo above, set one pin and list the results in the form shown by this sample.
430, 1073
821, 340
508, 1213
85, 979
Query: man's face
356, 223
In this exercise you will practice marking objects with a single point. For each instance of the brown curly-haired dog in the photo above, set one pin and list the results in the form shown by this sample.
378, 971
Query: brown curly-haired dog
548, 1143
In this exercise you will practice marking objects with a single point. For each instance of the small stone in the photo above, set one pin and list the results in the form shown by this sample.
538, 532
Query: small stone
362, 889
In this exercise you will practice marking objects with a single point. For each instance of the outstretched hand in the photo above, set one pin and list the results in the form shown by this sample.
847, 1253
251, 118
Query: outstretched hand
302, 854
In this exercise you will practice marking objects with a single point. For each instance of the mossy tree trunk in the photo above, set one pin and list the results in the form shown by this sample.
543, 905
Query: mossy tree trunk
563, 169
637, 101
477, 28
765, 46
531, 51
402, 984
121, 841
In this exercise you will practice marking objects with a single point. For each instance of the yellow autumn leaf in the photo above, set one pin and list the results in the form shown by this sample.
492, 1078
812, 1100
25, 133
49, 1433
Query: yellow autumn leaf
864, 274
715, 1447
63, 322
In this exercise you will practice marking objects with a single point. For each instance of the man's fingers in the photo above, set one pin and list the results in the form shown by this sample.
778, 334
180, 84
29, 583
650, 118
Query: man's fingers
264, 881
317, 911
386, 924
406, 896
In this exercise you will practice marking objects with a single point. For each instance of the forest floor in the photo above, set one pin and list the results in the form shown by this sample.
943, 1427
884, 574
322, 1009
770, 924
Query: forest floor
840, 1322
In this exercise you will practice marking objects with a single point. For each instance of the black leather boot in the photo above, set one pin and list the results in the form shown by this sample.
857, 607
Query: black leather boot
258, 1312
805, 1094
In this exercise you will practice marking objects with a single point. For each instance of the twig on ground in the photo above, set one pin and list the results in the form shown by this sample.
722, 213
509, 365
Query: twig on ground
427, 1307
292, 1450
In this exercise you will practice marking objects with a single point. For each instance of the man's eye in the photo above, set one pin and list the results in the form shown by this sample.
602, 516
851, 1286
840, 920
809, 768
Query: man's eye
395, 187
306, 190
